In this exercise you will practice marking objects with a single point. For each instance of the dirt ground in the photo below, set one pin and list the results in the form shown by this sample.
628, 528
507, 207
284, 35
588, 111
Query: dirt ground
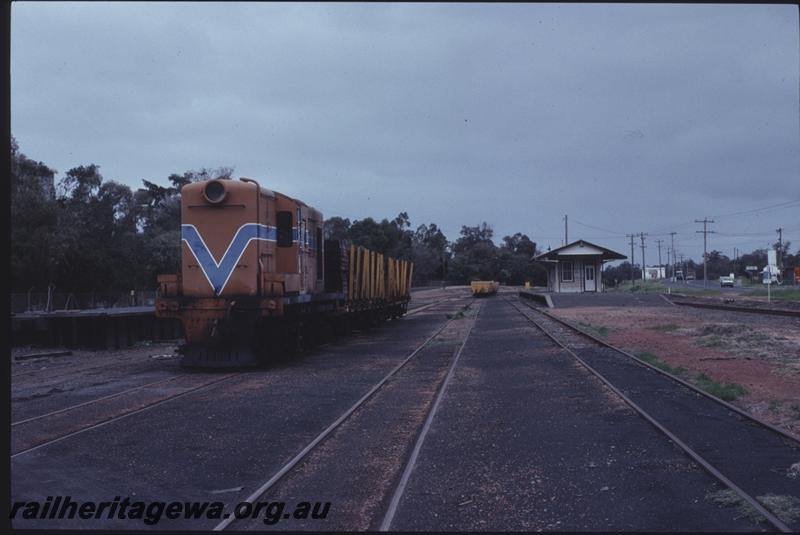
760, 353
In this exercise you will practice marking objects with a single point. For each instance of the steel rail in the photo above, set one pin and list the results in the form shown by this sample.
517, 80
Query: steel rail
89, 402
425, 307
675, 378
412, 460
277, 476
125, 415
752, 310
77, 366
768, 515
133, 389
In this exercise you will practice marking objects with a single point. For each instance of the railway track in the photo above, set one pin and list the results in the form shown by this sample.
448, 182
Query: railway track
59, 372
733, 308
391, 511
97, 400
37, 432
429, 305
750, 457
80, 367
70, 367
314, 443
53, 426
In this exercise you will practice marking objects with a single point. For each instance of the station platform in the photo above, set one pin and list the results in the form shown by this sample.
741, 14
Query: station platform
96, 328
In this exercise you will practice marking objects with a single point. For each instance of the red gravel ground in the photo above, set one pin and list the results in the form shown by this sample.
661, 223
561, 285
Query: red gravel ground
760, 353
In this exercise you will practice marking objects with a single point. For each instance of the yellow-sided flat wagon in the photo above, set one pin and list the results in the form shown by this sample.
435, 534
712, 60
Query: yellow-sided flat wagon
378, 283
484, 288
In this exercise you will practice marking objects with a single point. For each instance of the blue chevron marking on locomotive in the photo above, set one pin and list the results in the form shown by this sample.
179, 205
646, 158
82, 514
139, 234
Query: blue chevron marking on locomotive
218, 273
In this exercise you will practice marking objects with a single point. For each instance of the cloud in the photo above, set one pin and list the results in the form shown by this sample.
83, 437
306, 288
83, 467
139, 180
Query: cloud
634, 116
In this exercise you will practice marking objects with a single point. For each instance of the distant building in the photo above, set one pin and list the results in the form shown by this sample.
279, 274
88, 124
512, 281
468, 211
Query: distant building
576, 267
654, 273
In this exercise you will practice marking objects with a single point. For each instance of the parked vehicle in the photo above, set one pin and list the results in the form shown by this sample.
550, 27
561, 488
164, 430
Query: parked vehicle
771, 274
726, 280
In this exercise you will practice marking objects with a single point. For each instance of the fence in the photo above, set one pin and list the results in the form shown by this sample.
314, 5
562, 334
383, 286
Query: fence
50, 301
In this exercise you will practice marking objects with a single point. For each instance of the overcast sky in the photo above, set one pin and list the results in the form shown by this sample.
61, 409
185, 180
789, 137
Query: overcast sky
628, 118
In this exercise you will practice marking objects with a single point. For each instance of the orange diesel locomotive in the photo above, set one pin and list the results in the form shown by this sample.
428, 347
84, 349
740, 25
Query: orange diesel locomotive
256, 276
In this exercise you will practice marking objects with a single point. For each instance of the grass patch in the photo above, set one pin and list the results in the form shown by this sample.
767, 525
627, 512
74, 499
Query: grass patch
601, 331
787, 294
665, 328
641, 287
724, 391
787, 508
660, 364
461, 314
728, 498
712, 341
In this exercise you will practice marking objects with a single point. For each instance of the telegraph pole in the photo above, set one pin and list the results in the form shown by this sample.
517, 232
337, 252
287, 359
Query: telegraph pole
444, 267
668, 264
631, 236
642, 235
659, 255
674, 259
705, 221
684, 268
780, 246
566, 230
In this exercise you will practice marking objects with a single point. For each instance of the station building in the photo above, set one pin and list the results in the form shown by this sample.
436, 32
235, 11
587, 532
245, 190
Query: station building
576, 267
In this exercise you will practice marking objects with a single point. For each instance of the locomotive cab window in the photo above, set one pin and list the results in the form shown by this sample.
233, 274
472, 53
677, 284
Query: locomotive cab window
284, 220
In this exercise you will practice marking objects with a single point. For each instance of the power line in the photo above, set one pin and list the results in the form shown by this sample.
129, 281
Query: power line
598, 228
785, 204
779, 206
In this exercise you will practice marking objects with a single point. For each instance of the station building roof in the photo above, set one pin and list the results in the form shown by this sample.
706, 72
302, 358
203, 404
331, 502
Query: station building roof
580, 248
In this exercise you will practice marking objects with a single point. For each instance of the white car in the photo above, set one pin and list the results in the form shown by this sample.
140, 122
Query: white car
726, 280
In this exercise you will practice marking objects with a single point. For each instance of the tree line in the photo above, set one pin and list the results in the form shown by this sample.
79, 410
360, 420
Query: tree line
719, 264
85, 233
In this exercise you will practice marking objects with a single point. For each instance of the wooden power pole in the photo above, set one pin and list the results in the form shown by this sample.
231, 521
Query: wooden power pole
705, 231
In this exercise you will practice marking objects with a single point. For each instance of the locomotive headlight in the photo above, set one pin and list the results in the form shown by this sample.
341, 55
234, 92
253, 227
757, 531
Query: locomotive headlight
215, 192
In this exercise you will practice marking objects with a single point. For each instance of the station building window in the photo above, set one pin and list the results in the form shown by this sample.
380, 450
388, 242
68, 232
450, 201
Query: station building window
566, 272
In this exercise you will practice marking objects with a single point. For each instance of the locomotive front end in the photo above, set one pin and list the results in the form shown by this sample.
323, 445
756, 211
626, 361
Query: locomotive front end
226, 284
